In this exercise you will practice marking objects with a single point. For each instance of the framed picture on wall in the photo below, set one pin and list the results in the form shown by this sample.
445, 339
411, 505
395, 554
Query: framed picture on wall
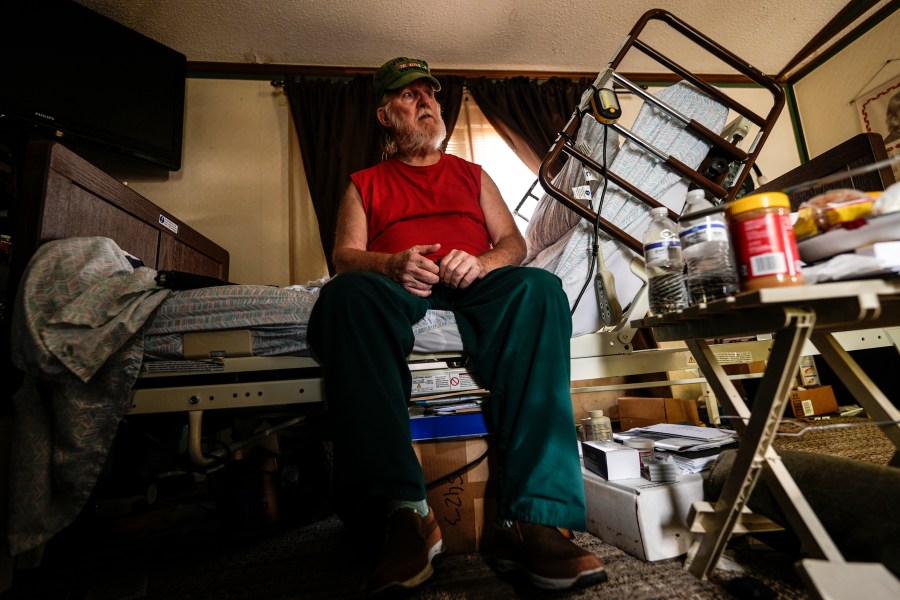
879, 112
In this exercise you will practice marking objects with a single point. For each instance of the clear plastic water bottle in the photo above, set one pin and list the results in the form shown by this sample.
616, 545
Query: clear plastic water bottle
710, 268
665, 267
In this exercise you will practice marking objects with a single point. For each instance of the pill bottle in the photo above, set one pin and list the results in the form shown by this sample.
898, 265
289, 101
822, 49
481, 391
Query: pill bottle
587, 433
763, 240
644, 448
601, 427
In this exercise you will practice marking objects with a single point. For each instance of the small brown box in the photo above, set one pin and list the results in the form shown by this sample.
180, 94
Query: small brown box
757, 366
813, 401
679, 410
642, 412
626, 423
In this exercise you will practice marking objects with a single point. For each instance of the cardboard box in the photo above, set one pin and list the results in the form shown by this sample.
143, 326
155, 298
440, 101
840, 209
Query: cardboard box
464, 505
584, 402
611, 460
648, 520
813, 401
641, 412
745, 368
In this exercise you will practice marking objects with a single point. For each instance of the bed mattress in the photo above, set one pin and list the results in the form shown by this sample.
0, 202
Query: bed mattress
275, 317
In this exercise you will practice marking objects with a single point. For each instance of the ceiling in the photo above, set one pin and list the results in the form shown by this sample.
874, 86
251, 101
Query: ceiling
557, 36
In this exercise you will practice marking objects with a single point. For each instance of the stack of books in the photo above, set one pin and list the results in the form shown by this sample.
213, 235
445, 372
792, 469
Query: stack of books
452, 415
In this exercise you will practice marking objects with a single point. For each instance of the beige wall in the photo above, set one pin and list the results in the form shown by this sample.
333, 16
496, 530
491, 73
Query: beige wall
779, 153
233, 186
825, 96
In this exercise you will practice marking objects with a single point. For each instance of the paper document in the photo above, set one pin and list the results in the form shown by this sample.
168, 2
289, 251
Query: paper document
450, 399
458, 408
677, 444
681, 438
693, 432
689, 465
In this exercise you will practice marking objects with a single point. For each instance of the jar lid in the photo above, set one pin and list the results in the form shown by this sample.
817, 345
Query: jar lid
755, 201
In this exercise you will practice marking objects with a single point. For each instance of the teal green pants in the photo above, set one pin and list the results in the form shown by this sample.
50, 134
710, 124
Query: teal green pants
515, 327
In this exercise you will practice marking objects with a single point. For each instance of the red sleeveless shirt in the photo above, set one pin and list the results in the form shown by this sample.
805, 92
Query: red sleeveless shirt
439, 203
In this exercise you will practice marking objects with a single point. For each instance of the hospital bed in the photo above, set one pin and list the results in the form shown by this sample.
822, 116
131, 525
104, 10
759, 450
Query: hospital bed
80, 220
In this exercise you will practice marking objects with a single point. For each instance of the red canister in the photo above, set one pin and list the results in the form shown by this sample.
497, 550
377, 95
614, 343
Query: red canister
763, 240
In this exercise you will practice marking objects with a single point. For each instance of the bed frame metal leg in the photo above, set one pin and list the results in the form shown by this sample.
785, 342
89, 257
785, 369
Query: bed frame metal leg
195, 440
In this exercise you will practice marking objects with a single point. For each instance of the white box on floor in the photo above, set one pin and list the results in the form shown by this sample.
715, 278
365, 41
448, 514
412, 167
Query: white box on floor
611, 460
645, 519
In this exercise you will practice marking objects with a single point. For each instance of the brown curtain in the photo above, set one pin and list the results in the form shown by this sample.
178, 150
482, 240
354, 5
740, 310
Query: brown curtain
339, 135
527, 113
450, 98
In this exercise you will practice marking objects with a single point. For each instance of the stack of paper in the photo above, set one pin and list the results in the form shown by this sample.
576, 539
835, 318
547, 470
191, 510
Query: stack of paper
692, 448
452, 403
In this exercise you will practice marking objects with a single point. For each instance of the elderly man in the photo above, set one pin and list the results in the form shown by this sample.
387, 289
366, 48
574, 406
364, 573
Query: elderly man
424, 229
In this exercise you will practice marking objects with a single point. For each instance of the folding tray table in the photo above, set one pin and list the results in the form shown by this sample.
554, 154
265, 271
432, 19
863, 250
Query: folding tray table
794, 315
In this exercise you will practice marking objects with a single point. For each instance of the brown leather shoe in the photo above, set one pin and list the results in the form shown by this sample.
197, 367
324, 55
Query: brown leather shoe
548, 558
412, 543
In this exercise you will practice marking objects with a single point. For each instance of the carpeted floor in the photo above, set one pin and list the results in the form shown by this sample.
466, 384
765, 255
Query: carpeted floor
850, 437
314, 562
184, 552
317, 562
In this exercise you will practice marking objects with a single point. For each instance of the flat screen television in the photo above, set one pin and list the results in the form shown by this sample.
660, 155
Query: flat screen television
69, 73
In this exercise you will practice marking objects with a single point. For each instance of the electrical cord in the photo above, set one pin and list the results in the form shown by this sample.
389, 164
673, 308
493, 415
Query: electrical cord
467, 467
595, 235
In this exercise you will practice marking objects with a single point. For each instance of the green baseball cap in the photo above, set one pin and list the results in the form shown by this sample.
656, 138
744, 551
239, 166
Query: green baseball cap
401, 71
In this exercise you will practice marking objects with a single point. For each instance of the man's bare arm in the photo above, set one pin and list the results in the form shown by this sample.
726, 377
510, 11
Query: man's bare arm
508, 243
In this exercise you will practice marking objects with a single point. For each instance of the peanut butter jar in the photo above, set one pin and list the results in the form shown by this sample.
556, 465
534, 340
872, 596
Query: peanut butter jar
763, 238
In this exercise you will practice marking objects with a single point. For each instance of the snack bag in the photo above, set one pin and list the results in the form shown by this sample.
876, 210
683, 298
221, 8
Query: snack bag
841, 207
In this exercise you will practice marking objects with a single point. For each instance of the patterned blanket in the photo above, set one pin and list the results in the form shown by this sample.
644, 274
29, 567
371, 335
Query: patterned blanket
76, 333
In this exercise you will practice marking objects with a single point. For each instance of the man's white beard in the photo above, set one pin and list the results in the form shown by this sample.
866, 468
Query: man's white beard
416, 140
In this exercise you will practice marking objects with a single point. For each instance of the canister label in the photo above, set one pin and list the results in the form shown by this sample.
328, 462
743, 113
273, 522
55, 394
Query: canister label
767, 246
